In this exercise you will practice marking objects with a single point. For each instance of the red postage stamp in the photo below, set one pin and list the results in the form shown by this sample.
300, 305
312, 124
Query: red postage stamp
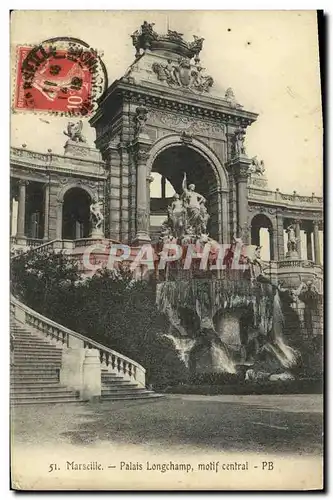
62, 78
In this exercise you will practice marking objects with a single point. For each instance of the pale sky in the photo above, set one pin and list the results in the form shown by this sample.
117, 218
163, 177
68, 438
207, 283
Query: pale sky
269, 58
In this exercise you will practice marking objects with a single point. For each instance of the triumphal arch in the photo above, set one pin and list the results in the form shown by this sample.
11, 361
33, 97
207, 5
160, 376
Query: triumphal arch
164, 116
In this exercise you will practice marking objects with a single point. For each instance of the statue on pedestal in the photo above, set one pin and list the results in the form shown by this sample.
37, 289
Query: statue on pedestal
74, 131
292, 240
239, 138
140, 119
255, 264
257, 167
97, 217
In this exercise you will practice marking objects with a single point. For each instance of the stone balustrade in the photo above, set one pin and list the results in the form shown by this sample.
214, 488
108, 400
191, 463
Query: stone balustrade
91, 163
110, 360
262, 195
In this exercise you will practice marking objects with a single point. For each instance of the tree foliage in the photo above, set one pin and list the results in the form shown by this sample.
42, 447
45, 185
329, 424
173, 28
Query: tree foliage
110, 307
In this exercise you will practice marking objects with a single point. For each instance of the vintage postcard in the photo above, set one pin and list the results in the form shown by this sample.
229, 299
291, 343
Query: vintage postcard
166, 219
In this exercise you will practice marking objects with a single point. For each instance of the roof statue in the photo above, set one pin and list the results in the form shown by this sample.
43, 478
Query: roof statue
146, 38
74, 131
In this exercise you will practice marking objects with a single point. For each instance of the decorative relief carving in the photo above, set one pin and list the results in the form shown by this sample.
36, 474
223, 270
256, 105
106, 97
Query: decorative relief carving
262, 209
141, 155
242, 172
183, 74
187, 123
80, 151
142, 218
185, 137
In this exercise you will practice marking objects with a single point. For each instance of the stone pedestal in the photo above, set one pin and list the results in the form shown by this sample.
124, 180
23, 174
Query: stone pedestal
71, 373
91, 389
81, 150
292, 255
97, 234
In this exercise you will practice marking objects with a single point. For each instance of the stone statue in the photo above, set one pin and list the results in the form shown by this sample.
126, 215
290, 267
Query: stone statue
204, 218
194, 204
147, 34
143, 37
141, 115
292, 240
196, 45
96, 209
176, 215
175, 36
257, 167
254, 165
74, 131
255, 263
169, 71
230, 96
261, 169
200, 81
239, 138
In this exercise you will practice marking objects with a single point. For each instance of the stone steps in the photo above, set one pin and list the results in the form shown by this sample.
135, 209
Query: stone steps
132, 396
47, 400
49, 389
35, 374
35, 370
33, 380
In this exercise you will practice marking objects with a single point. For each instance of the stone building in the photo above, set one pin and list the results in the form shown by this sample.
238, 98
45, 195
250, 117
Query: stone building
163, 116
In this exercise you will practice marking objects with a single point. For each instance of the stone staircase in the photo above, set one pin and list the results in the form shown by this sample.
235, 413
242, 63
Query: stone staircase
114, 387
35, 370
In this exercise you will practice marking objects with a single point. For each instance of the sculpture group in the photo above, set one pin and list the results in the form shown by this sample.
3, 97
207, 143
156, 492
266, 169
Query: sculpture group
187, 217
144, 37
183, 74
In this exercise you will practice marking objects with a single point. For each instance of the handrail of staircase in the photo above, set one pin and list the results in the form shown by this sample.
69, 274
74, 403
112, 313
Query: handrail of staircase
111, 359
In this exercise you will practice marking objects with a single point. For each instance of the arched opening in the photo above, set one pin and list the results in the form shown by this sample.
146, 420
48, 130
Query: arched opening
34, 211
76, 214
261, 235
171, 165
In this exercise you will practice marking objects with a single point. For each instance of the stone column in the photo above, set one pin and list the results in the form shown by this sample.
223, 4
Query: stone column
141, 146
273, 243
46, 211
239, 167
59, 220
242, 204
309, 244
280, 236
163, 185
142, 199
21, 209
316, 242
298, 236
